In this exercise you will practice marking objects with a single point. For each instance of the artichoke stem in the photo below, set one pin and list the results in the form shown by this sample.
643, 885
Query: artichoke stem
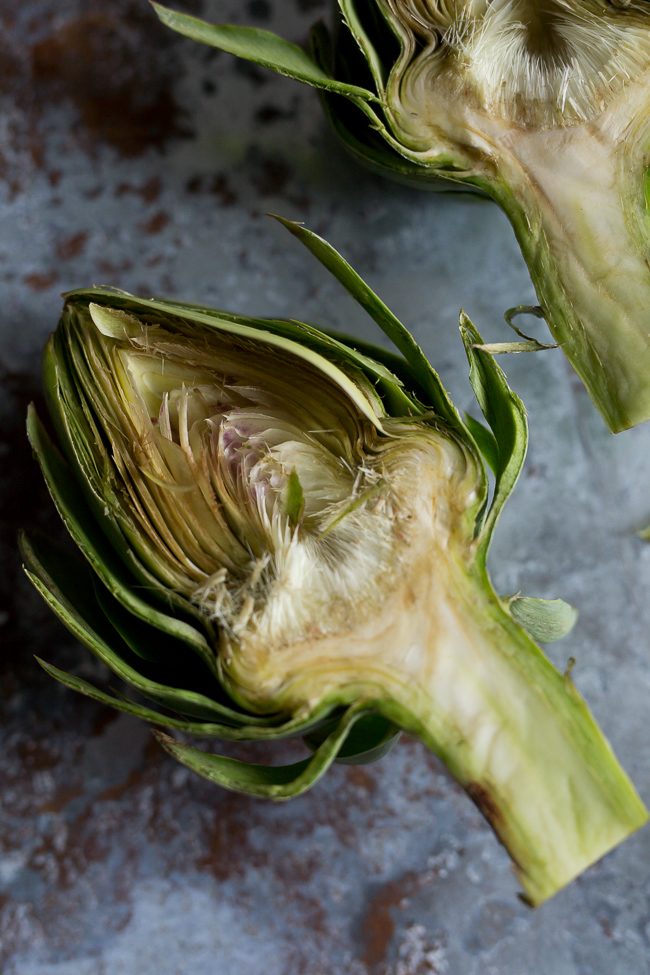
443, 659
516, 735
577, 203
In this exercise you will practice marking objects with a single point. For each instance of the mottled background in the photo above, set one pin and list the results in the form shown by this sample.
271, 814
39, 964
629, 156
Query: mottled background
134, 158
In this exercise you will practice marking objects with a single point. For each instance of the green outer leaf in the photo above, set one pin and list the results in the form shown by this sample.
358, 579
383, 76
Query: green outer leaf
367, 138
67, 587
378, 735
372, 737
286, 336
376, 365
427, 377
325, 343
268, 781
397, 382
381, 158
73, 509
371, 56
485, 441
261, 47
506, 415
199, 729
396, 366
49, 571
271, 51
69, 398
59, 580
155, 646
73, 417
328, 344
546, 620
385, 155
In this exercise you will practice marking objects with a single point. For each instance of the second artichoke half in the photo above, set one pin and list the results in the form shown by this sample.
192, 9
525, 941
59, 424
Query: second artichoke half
541, 105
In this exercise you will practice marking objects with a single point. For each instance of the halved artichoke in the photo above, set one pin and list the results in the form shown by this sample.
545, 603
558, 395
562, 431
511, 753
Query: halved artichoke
285, 534
542, 105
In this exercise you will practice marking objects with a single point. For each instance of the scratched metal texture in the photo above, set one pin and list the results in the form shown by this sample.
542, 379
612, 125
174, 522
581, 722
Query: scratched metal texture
134, 158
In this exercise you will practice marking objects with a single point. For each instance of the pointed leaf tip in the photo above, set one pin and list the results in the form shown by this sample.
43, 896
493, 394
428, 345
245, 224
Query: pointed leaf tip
261, 47
426, 376
506, 417
267, 781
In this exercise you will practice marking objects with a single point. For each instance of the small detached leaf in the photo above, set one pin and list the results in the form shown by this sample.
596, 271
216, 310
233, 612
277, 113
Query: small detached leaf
546, 620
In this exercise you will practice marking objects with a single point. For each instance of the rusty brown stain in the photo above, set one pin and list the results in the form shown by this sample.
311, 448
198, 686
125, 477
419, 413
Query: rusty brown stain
113, 270
104, 718
217, 185
35, 756
149, 191
485, 804
312, 914
605, 927
228, 849
64, 863
59, 802
72, 246
115, 65
40, 282
360, 778
296, 870
156, 223
378, 927
9, 69
273, 177
134, 778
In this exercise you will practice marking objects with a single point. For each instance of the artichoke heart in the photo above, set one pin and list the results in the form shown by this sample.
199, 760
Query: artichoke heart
541, 105
285, 533
275, 496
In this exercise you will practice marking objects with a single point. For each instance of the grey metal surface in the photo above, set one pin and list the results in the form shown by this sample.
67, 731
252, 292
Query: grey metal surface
133, 158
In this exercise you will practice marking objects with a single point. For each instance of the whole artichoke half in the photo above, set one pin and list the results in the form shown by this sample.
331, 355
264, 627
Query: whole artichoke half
285, 534
542, 105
